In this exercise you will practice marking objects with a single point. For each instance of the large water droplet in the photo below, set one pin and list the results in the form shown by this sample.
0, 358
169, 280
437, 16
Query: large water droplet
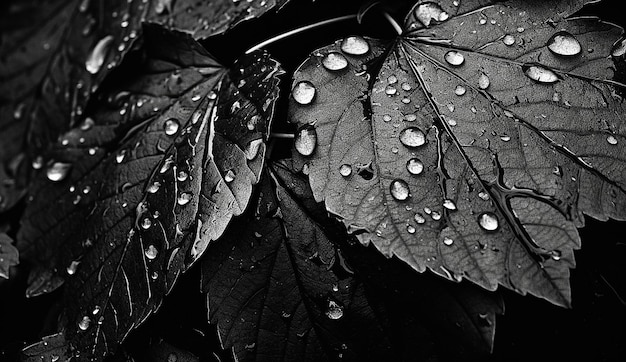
454, 58
399, 189
540, 74
58, 171
184, 198
508, 40
611, 140
334, 310
412, 137
564, 43
171, 126
303, 92
488, 221
306, 140
345, 170
483, 81
84, 323
355, 45
96, 57
151, 252
334, 61
429, 11
414, 166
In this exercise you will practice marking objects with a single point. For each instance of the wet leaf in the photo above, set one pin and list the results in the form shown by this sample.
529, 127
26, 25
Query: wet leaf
275, 292
203, 18
459, 318
53, 55
132, 197
8, 255
473, 152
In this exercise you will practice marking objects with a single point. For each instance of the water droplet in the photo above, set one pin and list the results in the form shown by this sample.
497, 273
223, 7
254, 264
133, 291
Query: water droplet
419, 219
508, 40
334, 61
395, 150
95, 310
454, 58
392, 79
412, 137
54, 358
345, 170
540, 74
556, 255
171, 126
386, 118
151, 252
414, 166
410, 117
406, 87
252, 122
182, 176
449, 204
303, 92
429, 11
184, 198
58, 171
505, 138
167, 164
230, 176
390, 90
154, 187
37, 162
564, 43
71, 269
83, 6
410, 229
448, 241
435, 215
611, 140
146, 223
483, 195
119, 158
483, 81
459, 90
96, 57
334, 311
306, 140
482, 21
84, 323
488, 221
355, 45
399, 189
252, 150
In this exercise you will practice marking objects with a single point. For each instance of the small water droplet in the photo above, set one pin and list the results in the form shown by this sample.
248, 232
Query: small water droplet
151, 252
252, 122
182, 176
488, 221
449, 204
58, 171
564, 43
37, 162
96, 57
154, 187
459, 90
505, 138
419, 218
345, 170
436, 215
410, 229
406, 87
386, 118
448, 241
171, 126
611, 140
412, 137
184, 198
483, 195
54, 358
119, 158
335, 61
540, 74
355, 45
454, 58
395, 150
84, 323
483, 81
303, 92
556, 255
399, 189
95, 310
146, 223
508, 40
167, 164
230, 176
252, 150
392, 79
334, 311
410, 117
414, 166
390, 90
71, 269
306, 140
429, 11
482, 21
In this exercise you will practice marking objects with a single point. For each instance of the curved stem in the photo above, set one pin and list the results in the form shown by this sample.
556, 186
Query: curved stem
282, 135
393, 23
298, 30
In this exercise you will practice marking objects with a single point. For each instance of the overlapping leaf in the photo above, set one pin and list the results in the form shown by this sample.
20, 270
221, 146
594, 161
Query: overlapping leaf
8, 255
274, 296
483, 135
132, 197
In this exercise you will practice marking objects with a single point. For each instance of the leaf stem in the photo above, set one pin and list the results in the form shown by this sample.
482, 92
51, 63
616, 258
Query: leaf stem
393, 23
282, 135
299, 30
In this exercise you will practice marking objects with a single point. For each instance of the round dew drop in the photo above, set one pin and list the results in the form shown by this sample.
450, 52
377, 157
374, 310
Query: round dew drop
449, 204
345, 170
508, 40
334, 311
564, 43
429, 11
334, 61
414, 166
488, 221
459, 90
306, 140
483, 81
419, 219
447, 241
184, 198
355, 45
540, 74
229, 177
58, 171
412, 137
303, 92
611, 140
454, 58
151, 252
84, 323
171, 126
410, 229
399, 189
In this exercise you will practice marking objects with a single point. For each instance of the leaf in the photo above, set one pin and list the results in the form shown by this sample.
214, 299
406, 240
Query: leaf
133, 196
203, 18
470, 151
275, 294
52, 56
50, 348
8, 255
459, 318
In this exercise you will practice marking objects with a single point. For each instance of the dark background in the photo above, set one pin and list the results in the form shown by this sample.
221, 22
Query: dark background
531, 329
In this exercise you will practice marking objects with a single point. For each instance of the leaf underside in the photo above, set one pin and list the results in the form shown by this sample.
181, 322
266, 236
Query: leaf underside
132, 197
494, 141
